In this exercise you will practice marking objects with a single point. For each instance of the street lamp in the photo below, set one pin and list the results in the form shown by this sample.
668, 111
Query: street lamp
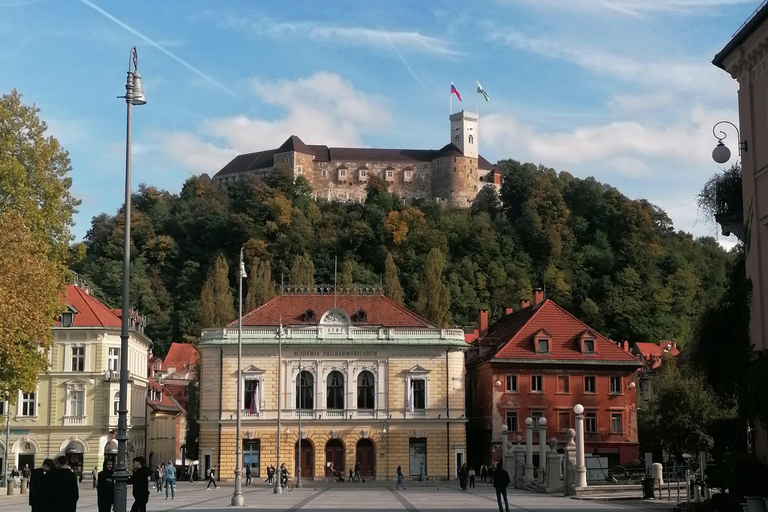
721, 153
237, 496
134, 95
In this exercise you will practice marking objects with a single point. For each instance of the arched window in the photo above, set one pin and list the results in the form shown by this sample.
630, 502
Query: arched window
305, 387
471, 139
116, 403
458, 139
335, 391
365, 392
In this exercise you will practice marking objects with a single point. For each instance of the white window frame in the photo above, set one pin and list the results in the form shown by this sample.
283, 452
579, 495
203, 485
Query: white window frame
342, 173
620, 416
20, 402
115, 403
586, 422
517, 421
615, 378
299, 169
390, 174
541, 381
71, 389
259, 378
363, 173
508, 379
408, 175
72, 349
113, 358
594, 380
412, 376
324, 173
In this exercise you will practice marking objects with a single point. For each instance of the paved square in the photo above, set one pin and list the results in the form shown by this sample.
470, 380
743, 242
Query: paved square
320, 496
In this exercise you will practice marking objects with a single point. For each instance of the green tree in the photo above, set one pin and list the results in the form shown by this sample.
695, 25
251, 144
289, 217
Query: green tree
392, 288
434, 298
302, 271
347, 281
216, 301
261, 289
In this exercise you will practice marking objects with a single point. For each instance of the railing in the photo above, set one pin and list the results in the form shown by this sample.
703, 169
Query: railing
336, 413
74, 420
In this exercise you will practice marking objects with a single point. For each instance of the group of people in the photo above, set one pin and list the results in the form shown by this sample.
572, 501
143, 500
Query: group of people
15, 474
165, 476
272, 474
466, 476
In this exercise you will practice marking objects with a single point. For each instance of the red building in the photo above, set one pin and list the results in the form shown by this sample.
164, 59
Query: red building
541, 361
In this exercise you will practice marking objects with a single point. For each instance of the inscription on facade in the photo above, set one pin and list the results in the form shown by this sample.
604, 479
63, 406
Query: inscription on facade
335, 353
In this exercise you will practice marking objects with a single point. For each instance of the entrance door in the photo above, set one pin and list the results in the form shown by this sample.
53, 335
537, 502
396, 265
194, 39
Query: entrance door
252, 455
459, 462
307, 459
417, 451
366, 457
26, 458
334, 455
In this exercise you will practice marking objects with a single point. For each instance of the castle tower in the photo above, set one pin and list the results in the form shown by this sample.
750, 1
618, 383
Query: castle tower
464, 132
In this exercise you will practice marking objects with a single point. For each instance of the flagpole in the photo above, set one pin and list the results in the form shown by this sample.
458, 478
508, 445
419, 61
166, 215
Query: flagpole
450, 103
477, 104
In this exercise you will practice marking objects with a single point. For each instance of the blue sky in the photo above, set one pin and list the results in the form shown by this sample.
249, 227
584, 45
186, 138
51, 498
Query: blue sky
619, 89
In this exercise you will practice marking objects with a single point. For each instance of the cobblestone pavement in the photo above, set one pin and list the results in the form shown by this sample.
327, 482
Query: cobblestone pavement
378, 496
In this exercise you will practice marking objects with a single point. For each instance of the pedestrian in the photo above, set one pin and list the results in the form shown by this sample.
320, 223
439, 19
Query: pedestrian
422, 473
500, 483
248, 475
15, 476
158, 482
64, 486
191, 474
490, 473
471, 478
40, 495
95, 476
170, 480
350, 475
162, 477
26, 472
140, 481
400, 478
463, 477
212, 479
357, 473
105, 487
483, 473
270, 473
283, 475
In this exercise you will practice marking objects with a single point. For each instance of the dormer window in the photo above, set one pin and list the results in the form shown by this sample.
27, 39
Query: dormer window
68, 316
541, 342
362, 174
542, 345
589, 346
587, 342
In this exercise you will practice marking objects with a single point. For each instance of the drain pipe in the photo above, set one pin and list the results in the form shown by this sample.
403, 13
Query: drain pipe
447, 422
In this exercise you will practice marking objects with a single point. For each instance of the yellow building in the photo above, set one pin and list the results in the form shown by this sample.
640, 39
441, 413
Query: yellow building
73, 410
371, 382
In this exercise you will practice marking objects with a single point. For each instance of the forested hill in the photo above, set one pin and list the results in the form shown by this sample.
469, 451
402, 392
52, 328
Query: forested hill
615, 263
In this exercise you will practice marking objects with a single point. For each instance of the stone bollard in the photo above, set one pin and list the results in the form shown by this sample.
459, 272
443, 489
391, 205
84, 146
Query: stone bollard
657, 474
519, 464
23, 486
581, 468
10, 487
542, 449
528, 450
569, 478
554, 474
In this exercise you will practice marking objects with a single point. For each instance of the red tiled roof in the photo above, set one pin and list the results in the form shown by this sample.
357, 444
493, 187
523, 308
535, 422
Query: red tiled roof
513, 335
470, 337
652, 352
181, 356
290, 310
90, 311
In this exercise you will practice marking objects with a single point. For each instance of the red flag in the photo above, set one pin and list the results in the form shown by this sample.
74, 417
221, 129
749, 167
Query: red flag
454, 91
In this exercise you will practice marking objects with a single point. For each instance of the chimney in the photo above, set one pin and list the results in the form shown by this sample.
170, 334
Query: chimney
482, 323
538, 297
626, 346
524, 304
674, 343
508, 310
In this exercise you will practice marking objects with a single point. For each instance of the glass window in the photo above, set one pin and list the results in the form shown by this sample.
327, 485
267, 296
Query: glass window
616, 426
589, 346
615, 384
363, 173
305, 386
511, 382
299, 170
408, 175
335, 391
251, 395
365, 391
563, 383
78, 359
590, 384
512, 421
324, 173
419, 394
389, 174
28, 405
2, 408
76, 402
543, 345
590, 422
113, 363
537, 383
252, 455
563, 420
116, 403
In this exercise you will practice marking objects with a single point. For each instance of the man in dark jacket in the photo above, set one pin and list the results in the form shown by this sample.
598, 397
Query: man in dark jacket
40, 487
140, 481
105, 487
64, 487
500, 482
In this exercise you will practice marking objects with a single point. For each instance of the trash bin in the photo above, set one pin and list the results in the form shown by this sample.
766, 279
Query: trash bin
648, 492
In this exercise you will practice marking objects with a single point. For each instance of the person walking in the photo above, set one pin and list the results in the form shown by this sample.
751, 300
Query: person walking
162, 477
158, 482
483, 473
211, 479
500, 483
140, 481
170, 480
64, 486
26, 472
15, 476
463, 477
400, 478
471, 478
248, 475
191, 474
95, 476
105, 487
422, 473
357, 473
40, 487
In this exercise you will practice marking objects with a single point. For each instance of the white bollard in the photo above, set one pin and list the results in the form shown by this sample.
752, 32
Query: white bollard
528, 450
542, 449
581, 470
554, 474
657, 473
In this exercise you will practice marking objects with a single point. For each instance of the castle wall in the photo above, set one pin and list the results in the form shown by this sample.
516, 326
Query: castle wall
456, 180
328, 183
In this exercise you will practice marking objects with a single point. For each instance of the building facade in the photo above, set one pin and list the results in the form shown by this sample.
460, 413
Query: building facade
73, 410
650, 356
540, 361
453, 173
369, 381
745, 58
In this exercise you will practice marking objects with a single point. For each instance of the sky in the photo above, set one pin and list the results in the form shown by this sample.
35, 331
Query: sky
622, 90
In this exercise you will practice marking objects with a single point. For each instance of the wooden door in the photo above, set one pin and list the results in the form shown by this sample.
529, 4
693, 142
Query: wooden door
334, 454
366, 457
307, 459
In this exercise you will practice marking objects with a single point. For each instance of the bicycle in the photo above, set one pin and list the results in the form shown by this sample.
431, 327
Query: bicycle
288, 486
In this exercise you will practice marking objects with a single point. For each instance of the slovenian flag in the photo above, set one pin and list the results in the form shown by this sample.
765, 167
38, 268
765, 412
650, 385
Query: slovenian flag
480, 90
454, 91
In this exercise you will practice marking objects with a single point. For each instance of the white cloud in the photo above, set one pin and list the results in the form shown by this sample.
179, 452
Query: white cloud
640, 7
322, 108
652, 101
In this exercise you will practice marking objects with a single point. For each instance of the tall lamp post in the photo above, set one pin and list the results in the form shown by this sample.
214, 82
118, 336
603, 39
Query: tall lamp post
278, 474
237, 496
301, 397
134, 95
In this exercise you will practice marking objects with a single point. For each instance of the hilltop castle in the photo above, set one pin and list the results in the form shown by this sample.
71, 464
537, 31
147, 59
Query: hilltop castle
454, 173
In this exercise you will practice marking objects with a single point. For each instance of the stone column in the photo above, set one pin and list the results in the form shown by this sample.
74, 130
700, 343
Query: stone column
554, 473
581, 470
542, 448
569, 480
519, 463
528, 450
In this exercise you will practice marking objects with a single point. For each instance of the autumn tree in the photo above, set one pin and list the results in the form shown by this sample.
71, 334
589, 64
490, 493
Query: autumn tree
392, 288
261, 289
434, 299
216, 302
302, 271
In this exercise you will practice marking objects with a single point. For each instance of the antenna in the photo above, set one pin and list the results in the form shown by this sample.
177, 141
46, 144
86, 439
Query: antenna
335, 270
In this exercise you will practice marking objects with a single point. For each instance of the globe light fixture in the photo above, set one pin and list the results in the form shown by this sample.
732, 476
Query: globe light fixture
721, 154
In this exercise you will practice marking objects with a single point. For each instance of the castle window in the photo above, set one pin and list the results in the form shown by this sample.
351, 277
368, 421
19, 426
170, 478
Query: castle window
458, 140
390, 174
454, 159
471, 139
324, 173
454, 169
299, 170
362, 174
408, 176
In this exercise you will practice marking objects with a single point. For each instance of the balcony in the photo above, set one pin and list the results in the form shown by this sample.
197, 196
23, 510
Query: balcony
75, 420
110, 421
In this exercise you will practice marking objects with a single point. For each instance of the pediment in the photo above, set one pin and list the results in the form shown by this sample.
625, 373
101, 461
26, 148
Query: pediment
253, 369
418, 369
588, 334
335, 317
542, 333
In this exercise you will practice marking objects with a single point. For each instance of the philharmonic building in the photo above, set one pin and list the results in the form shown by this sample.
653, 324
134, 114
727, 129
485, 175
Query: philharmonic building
369, 381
